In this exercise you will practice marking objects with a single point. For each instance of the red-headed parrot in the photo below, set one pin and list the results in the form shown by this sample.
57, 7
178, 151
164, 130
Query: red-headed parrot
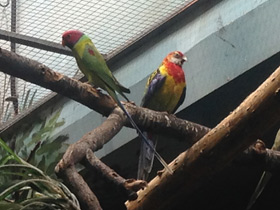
165, 91
94, 67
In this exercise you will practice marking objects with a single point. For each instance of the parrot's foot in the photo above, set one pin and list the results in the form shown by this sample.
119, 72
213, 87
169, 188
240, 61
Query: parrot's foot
159, 173
135, 185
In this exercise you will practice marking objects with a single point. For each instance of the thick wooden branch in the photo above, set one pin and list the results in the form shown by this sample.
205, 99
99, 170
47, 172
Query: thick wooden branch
40, 74
248, 122
37, 73
93, 140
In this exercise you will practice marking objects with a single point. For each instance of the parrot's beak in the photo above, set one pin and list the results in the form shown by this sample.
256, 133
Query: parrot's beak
184, 58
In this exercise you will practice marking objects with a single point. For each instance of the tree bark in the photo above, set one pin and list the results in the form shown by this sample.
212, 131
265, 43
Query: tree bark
259, 111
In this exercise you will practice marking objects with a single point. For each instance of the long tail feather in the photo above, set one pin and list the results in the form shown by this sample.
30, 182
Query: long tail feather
146, 159
260, 187
161, 160
140, 133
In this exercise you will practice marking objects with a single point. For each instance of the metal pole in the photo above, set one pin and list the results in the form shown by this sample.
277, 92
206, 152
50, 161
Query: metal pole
14, 96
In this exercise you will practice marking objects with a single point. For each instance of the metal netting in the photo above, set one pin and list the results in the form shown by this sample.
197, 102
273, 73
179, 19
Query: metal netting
112, 25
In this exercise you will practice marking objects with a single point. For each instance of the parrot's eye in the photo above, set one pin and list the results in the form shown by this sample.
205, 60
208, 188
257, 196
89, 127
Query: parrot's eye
177, 55
68, 36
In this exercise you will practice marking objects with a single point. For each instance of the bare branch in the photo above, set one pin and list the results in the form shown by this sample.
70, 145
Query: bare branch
37, 73
128, 187
93, 140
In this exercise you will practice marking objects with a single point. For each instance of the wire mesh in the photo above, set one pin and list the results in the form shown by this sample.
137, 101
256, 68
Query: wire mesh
112, 25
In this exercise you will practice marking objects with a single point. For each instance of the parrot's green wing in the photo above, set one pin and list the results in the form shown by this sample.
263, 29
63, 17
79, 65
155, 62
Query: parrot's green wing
92, 64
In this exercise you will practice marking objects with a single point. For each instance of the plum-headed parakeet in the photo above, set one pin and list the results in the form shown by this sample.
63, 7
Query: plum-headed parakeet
94, 67
165, 91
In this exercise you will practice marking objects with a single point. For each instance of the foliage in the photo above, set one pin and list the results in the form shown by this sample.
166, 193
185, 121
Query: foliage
51, 149
23, 186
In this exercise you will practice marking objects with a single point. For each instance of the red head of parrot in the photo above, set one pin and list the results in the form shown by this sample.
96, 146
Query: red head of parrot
173, 62
71, 37
175, 57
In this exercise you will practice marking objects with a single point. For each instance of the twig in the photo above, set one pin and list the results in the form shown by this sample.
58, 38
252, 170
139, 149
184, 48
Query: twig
127, 187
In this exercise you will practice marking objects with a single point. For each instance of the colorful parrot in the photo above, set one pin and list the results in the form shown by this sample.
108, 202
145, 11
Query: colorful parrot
94, 67
266, 176
165, 91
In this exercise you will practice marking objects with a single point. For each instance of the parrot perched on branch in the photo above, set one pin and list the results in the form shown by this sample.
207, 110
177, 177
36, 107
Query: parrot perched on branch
165, 91
266, 176
94, 67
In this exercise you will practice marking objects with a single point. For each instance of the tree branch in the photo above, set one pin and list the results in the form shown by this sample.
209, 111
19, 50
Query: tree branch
259, 155
127, 187
218, 147
93, 140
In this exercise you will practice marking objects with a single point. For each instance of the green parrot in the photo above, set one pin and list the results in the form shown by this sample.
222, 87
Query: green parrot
94, 67
266, 176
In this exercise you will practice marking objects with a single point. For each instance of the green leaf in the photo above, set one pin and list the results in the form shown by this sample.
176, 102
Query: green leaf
5, 159
7, 149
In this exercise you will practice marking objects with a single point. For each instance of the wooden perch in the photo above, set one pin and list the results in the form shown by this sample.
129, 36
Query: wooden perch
248, 122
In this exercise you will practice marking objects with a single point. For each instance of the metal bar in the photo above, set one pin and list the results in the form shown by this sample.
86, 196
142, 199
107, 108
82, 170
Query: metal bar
34, 42
13, 84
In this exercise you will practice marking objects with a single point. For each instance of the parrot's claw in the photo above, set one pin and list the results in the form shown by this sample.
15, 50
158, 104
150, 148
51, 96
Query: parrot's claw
135, 185
159, 173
